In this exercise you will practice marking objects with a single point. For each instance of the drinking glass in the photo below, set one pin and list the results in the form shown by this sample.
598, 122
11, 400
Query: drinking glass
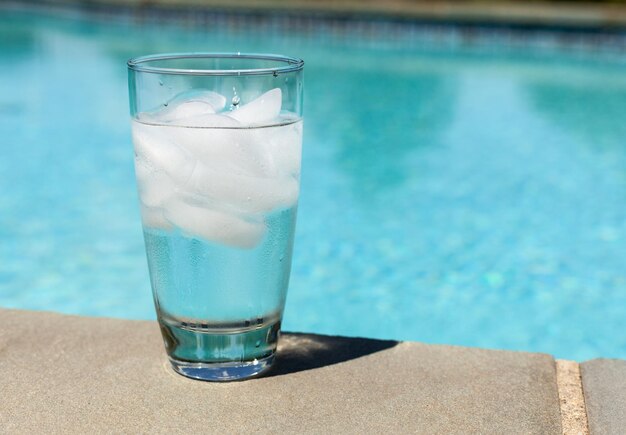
217, 140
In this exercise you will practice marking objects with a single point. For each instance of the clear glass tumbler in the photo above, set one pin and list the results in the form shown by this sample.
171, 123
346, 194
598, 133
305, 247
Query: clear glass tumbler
218, 140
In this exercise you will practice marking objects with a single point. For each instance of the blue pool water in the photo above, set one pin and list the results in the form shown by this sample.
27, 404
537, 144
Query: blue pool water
454, 191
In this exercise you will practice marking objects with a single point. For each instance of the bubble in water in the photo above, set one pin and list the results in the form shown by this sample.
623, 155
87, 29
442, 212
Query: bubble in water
160, 82
258, 343
275, 74
236, 100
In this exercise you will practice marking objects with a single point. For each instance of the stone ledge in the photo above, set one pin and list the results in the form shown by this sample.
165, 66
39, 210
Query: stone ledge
604, 384
75, 374
603, 15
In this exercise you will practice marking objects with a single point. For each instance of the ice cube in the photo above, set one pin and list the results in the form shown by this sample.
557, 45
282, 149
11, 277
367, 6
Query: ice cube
243, 192
188, 104
230, 150
215, 226
154, 186
154, 146
216, 100
152, 217
282, 147
263, 109
187, 109
209, 120
192, 103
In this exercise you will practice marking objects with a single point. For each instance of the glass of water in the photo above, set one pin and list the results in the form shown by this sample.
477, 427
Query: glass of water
218, 140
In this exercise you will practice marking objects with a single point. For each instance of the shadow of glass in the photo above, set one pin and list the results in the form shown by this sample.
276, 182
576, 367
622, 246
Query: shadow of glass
299, 352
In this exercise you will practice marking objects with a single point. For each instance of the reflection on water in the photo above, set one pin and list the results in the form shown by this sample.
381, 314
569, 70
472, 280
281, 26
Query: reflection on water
381, 117
18, 41
593, 113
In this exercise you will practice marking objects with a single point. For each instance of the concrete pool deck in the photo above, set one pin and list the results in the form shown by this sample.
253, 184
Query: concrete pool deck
577, 15
72, 374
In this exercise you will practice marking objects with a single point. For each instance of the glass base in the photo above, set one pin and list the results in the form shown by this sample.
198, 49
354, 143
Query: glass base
213, 351
222, 371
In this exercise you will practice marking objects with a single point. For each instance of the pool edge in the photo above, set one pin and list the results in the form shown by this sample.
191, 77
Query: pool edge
517, 14
106, 374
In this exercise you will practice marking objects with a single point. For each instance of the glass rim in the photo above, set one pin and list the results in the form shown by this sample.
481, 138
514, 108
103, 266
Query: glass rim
285, 64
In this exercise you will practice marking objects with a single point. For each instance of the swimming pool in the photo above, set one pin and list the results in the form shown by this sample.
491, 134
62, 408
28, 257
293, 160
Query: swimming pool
454, 191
